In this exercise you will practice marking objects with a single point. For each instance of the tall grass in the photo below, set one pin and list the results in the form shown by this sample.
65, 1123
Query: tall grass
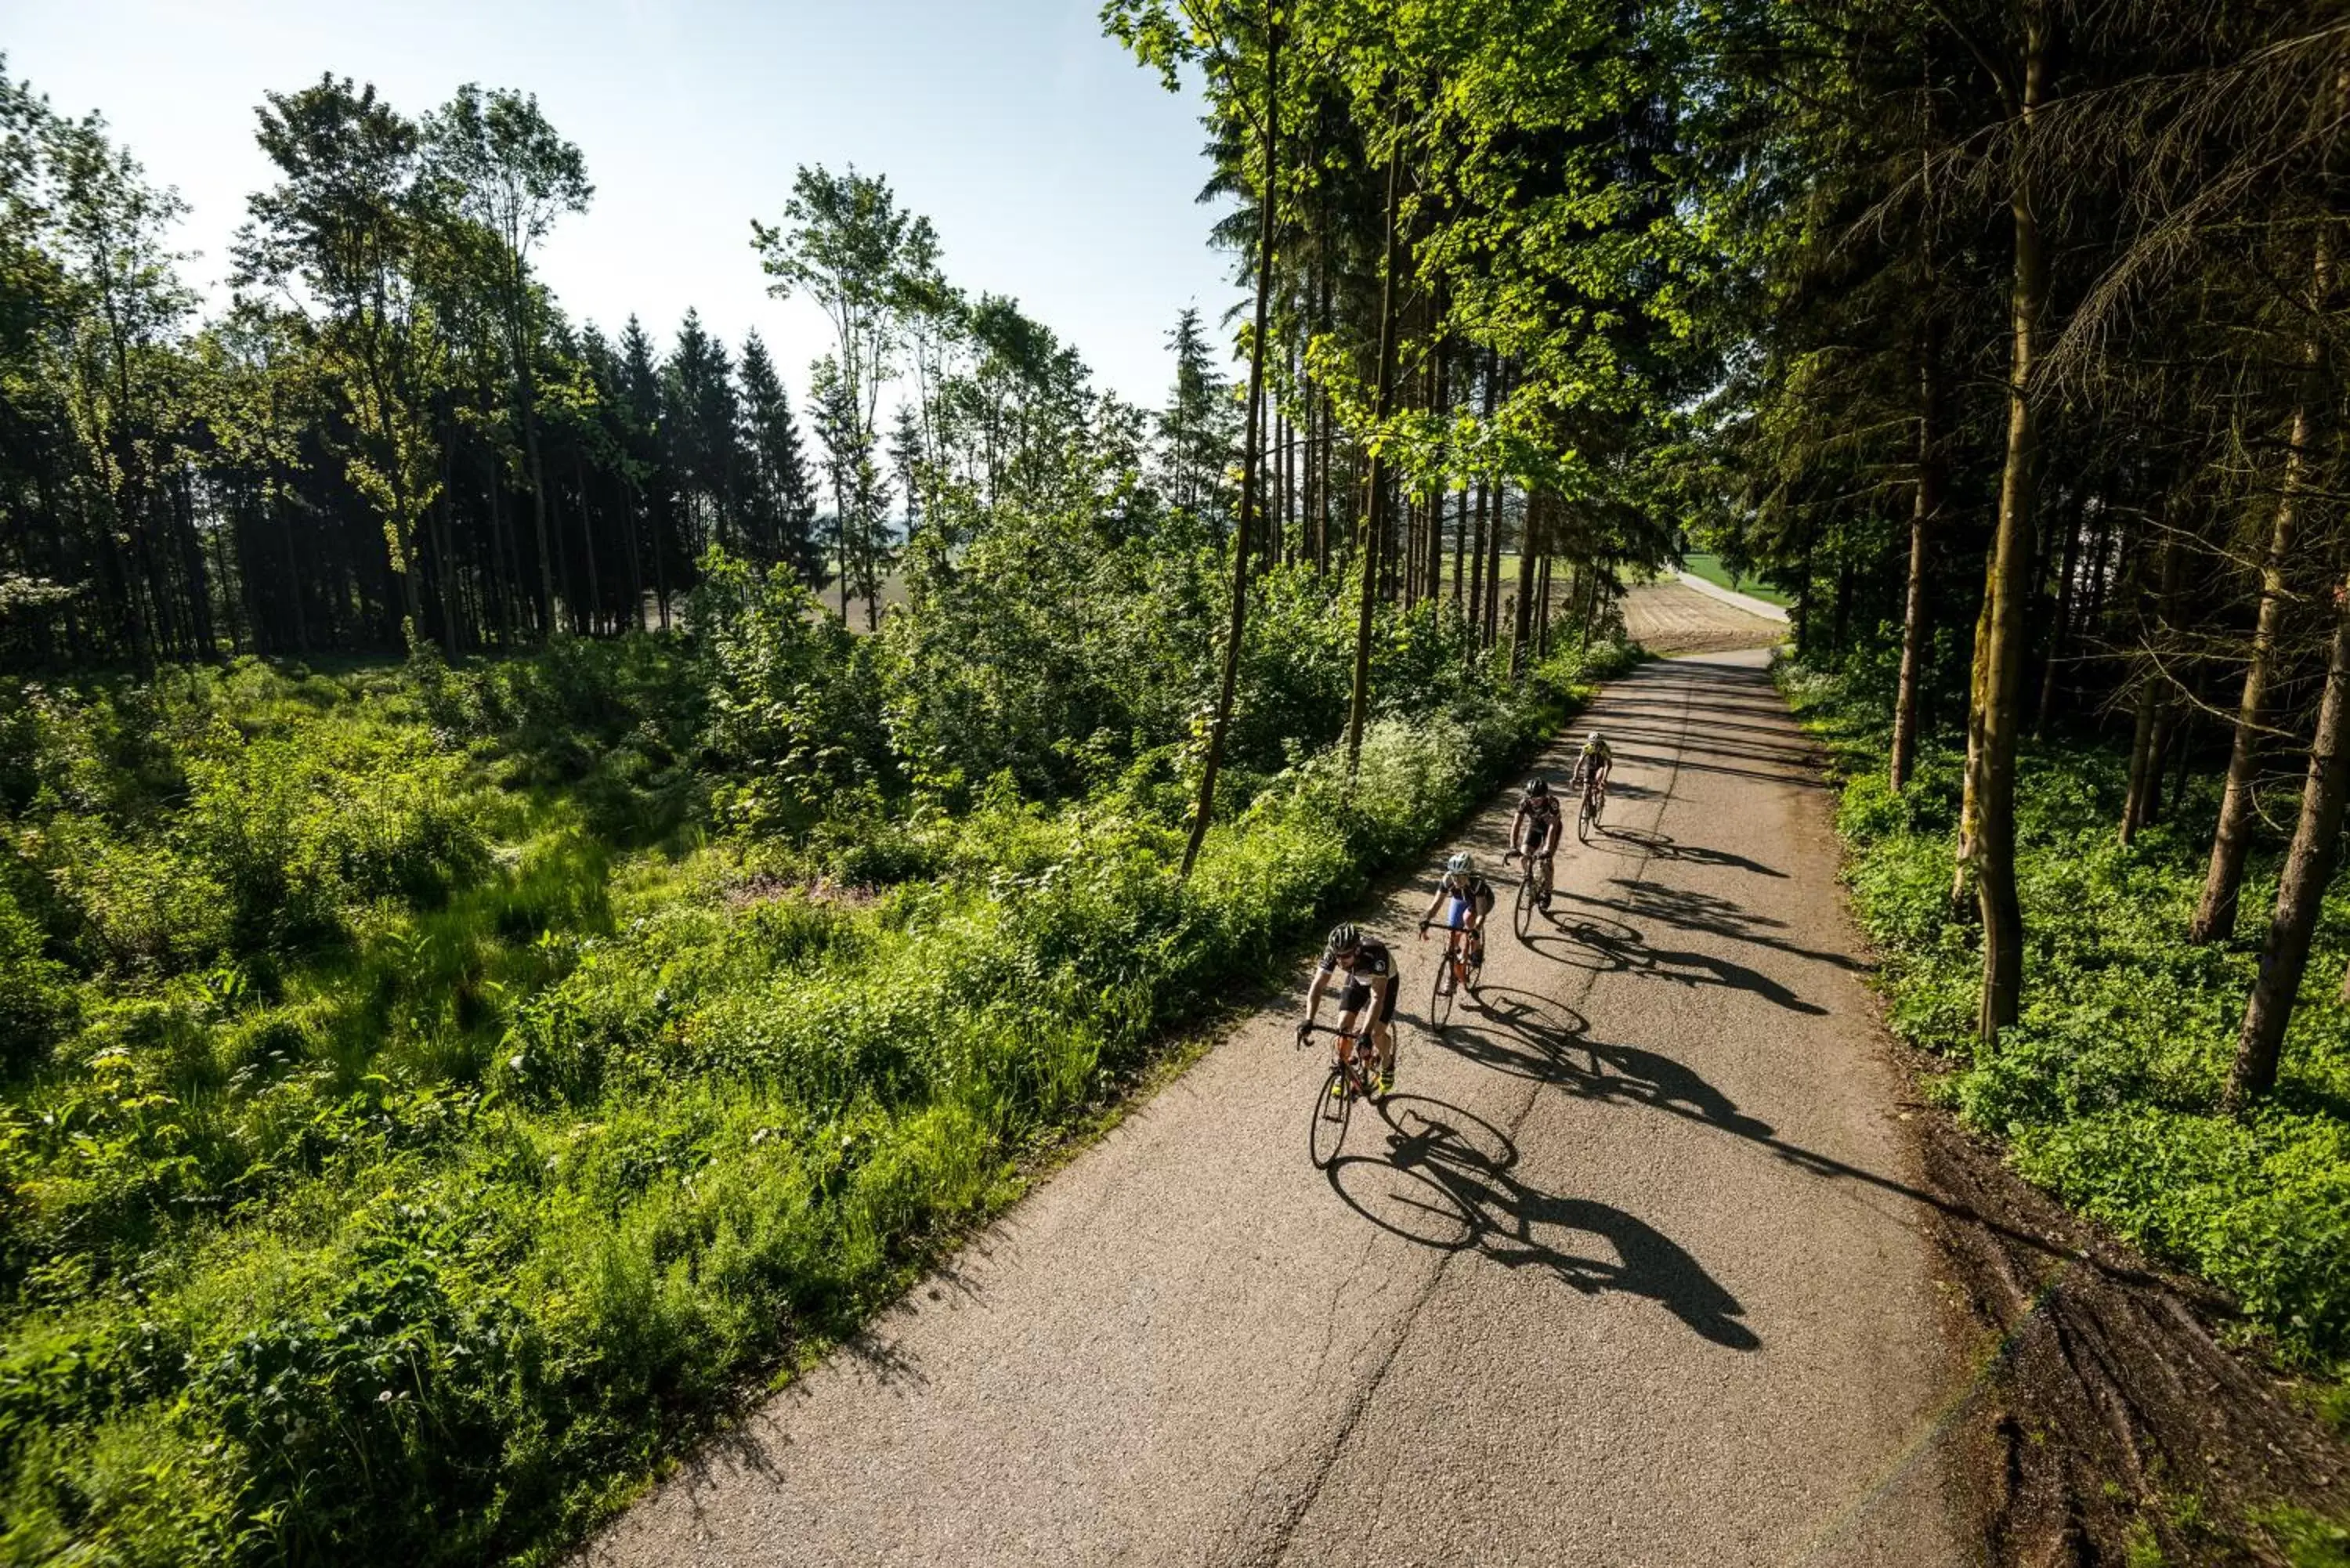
470, 1133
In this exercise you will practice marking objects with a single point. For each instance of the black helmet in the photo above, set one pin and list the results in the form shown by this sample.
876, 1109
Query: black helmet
1345, 936
1538, 787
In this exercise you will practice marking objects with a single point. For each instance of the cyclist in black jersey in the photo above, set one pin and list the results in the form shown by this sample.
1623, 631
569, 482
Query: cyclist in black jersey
1368, 997
1534, 831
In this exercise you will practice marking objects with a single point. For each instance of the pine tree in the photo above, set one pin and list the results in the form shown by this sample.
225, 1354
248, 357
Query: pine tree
778, 496
1199, 431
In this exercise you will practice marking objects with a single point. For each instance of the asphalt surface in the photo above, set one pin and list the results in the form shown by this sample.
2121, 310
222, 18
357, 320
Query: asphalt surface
1626, 1272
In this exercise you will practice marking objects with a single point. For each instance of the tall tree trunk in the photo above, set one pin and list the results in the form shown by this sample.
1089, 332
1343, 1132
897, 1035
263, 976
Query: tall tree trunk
1461, 550
2285, 958
628, 503
2147, 730
1436, 375
660, 564
1522, 622
1477, 560
526, 386
1375, 487
1802, 614
2215, 911
587, 540
1252, 454
444, 570
2058, 633
1926, 503
1284, 455
2183, 746
1542, 612
2010, 579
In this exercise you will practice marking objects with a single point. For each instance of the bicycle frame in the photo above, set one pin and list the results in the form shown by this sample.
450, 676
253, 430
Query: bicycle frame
1358, 1059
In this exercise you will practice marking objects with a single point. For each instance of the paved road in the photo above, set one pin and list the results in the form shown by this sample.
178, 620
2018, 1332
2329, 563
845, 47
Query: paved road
1626, 1274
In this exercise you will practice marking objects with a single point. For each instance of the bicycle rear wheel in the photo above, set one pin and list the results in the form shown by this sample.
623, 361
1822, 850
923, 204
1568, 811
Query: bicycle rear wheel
1440, 994
1334, 1106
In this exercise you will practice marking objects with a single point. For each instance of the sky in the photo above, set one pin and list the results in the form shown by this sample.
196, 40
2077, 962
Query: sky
1054, 169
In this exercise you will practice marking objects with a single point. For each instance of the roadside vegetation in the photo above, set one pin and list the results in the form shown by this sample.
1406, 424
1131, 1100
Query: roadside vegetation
2108, 1090
492, 965
436, 1092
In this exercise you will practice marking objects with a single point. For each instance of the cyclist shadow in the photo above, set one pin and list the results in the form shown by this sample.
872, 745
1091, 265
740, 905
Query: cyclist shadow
1517, 1033
1446, 1181
1665, 847
1576, 941
1530, 1037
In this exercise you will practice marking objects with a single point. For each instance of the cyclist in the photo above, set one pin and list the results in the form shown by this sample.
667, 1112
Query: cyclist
1369, 993
1465, 897
1534, 832
1593, 764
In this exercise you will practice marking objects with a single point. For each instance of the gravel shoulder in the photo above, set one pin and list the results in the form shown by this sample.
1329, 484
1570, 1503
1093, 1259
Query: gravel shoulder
1632, 1269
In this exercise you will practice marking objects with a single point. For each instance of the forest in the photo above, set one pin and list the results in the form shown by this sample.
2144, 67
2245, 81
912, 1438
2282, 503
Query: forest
545, 876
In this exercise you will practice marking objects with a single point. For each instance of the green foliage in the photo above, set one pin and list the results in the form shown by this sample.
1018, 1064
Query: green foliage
439, 1093
2308, 1539
2108, 1087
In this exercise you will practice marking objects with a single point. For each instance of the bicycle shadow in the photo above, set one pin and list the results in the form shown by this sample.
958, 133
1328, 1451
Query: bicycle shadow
1515, 1031
1445, 1180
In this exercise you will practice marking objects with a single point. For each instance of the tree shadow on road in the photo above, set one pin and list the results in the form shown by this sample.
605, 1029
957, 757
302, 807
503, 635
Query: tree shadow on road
1445, 1180
1528, 1037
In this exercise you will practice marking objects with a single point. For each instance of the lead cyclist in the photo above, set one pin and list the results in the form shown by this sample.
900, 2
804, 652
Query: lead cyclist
1593, 764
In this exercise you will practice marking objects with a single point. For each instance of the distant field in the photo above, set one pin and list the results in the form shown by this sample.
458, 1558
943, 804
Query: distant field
1711, 569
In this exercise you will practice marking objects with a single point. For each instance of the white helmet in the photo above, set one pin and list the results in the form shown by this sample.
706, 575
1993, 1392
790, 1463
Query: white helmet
1459, 865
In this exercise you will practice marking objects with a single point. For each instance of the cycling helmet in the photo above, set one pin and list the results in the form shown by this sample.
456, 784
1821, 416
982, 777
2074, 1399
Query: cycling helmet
1459, 865
1538, 787
1345, 936
1593, 739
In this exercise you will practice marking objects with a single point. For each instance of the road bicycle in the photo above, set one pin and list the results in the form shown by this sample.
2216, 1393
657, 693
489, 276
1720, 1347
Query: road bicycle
1594, 801
1533, 890
1354, 1076
1456, 972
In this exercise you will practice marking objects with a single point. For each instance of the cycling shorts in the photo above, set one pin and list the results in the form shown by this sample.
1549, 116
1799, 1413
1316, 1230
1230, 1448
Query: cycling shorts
1358, 994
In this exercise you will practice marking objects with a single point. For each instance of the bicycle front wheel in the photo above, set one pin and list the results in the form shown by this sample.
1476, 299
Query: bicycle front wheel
1523, 917
1333, 1107
1440, 994
1585, 818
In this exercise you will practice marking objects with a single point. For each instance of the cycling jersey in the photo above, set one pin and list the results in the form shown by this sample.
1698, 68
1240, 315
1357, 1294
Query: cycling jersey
1460, 897
1598, 756
1371, 959
1541, 819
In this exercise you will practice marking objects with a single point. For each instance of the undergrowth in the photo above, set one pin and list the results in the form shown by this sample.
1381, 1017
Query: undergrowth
2107, 1090
429, 1097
